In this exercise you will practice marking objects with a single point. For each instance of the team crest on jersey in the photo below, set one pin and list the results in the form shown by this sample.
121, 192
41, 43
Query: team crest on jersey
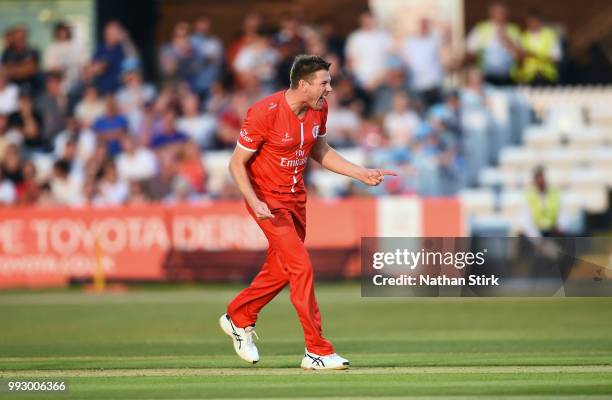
315, 131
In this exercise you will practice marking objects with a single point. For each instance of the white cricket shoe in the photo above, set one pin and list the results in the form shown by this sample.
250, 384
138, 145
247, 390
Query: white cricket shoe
332, 361
242, 338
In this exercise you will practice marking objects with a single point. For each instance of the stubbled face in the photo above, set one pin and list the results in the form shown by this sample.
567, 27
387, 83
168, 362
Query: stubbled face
317, 89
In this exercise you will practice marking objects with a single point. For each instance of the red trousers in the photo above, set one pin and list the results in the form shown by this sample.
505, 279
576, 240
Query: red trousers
287, 263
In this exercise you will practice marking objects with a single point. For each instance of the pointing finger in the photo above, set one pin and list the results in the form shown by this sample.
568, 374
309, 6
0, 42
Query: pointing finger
387, 172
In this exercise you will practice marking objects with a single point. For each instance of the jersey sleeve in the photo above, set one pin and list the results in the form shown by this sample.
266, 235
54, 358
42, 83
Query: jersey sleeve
324, 110
253, 131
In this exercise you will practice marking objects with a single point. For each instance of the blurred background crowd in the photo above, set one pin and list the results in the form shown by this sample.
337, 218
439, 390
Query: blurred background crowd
88, 128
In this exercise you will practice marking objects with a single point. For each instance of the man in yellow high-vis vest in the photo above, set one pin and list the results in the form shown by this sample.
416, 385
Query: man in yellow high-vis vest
544, 204
541, 51
495, 44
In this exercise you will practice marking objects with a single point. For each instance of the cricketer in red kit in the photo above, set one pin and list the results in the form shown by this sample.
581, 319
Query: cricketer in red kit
279, 134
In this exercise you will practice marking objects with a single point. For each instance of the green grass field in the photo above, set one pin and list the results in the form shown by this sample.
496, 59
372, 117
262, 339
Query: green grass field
164, 342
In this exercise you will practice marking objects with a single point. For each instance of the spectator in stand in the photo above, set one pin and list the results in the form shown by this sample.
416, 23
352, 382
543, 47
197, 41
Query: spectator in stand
28, 122
200, 127
9, 94
112, 189
395, 81
289, 43
108, 58
218, 100
70, 156
66, 56
336, 69
90, 192
20, 61
182, 192
494, 44
52, 105
315, 44
135, 163
179, 59
543, 216
402, 122
447, 116
93, 167
65, 189
85, 140
45, 196
540, 53
5, 140
344, 122
137, 195
371, 134
190, 167
475, 91
168, 139
150, 119
251, 27
90, 108
366, 52
211, 51
30, 187
230, 119
111, 127
8, 194
344, 91
134, 94
438, 171
255, 66
161, 185
9, 135
334, 43
422, 55
12, 164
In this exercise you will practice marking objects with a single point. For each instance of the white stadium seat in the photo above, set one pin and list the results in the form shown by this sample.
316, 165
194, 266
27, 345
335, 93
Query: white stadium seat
216, 164
538, 138
478, 201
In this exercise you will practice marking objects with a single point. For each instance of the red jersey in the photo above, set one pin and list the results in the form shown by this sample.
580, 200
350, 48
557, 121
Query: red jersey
281, 142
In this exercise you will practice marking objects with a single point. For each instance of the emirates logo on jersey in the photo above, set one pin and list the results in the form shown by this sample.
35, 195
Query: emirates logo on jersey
287, 137
315, 131
300, 159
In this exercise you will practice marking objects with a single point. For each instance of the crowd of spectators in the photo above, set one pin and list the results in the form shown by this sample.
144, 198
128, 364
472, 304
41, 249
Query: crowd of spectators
78, 128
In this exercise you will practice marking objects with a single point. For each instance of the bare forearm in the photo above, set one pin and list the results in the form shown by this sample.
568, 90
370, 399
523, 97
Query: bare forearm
331, 160
239, 173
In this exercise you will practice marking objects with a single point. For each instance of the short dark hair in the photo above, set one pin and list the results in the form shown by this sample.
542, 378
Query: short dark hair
62, 26
304, 66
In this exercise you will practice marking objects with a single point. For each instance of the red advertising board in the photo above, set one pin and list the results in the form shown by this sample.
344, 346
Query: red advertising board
48, 247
